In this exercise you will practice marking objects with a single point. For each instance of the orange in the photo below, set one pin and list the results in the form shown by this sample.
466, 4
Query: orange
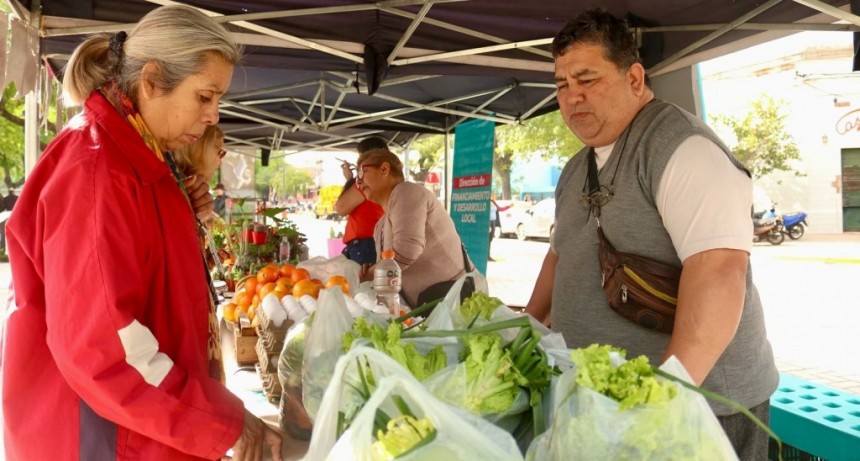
267, 288
243, 298
230, 313
338, 281
305, 287
287, 270
318, 282
280, 291
251, 285
268, 274
285, 282
299, 274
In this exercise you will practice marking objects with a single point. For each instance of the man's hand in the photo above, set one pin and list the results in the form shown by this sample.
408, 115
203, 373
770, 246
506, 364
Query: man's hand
198, 193
255, 433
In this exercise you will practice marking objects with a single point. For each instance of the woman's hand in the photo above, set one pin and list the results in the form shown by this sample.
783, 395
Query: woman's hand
346, 169
198, 193
255, 433
366, 273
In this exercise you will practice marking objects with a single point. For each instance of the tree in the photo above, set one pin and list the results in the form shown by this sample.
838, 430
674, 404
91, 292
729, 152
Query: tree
12, 132
763, 144
429, 149
547, 136
281, 177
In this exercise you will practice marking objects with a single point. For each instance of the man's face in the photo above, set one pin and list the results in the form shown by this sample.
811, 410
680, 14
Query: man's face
596, 98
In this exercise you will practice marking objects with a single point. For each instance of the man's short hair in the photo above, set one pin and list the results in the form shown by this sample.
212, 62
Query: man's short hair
371, 143
598, 27
219, 186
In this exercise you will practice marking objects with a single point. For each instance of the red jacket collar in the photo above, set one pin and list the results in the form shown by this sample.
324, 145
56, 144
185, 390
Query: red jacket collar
145, 163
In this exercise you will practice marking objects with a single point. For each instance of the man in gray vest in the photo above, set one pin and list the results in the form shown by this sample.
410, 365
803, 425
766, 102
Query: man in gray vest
671, 191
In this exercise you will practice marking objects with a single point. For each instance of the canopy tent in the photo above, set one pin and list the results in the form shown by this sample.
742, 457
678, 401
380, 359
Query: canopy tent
323, 73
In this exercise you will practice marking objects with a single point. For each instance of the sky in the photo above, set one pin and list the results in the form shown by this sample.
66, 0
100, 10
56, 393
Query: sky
776, 48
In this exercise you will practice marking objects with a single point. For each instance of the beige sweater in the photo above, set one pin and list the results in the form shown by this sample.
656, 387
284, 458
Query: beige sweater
423, 236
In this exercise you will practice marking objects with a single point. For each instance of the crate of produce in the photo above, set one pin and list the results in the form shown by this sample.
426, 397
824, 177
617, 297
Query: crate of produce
245, 342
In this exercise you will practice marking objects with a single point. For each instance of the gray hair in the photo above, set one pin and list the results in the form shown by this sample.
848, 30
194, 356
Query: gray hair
176, 37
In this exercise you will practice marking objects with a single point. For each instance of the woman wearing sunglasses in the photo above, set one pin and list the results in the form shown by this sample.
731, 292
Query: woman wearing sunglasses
415, 225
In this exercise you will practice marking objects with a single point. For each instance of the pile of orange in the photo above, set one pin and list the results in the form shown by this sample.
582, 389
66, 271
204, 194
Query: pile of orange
269, 279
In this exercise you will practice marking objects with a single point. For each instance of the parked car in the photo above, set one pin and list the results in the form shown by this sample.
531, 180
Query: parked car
509, 218
537, 221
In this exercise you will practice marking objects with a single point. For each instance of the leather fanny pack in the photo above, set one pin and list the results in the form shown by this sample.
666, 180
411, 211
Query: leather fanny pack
639, 289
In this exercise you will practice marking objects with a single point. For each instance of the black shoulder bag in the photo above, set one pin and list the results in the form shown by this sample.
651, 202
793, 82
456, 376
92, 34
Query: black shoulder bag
441, 289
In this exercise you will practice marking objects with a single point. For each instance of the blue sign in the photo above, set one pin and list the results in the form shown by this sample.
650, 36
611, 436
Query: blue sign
470, 188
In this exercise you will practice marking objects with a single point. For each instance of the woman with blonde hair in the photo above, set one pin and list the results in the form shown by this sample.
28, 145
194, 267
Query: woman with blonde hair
111, 348
203, 158
416, 226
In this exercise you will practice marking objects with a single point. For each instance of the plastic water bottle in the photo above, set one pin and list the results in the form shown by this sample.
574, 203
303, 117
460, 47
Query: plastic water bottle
386, 283
284, 251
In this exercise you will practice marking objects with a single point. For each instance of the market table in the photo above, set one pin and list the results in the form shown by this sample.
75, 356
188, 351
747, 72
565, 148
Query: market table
245, 383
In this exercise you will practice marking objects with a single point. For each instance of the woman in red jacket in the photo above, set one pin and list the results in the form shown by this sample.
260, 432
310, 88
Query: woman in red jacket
111, 348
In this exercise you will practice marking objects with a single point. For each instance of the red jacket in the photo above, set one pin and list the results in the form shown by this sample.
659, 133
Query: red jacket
104, 349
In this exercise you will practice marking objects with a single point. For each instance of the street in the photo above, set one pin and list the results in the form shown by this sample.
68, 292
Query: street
806, 287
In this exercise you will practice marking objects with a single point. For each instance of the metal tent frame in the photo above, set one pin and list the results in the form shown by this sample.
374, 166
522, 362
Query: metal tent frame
323, 74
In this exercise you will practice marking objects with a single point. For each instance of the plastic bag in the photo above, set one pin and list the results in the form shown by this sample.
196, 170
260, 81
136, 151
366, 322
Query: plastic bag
323, 346
449, 385
588, 425
459, 436
342, 398
321, 268
446, 316
293, 418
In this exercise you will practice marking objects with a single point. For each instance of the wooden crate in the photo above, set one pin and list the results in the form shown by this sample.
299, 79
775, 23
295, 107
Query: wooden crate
245, 345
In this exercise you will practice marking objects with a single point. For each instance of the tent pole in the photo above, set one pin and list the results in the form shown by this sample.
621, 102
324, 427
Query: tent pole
31, 131
31, 104
447, 182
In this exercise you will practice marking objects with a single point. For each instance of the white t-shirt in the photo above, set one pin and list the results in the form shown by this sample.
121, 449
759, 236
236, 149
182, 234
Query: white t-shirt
703, 198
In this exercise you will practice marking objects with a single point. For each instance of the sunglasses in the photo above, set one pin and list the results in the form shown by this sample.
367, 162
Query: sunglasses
363, 169
596, 199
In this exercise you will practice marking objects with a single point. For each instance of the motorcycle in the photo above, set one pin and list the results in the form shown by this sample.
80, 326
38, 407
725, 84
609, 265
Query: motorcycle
768, 226
793, 225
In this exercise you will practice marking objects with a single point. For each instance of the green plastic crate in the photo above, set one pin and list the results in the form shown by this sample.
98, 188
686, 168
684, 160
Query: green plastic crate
816, 419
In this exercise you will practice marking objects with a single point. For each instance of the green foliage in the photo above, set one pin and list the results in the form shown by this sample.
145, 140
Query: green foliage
430, 149
631, 383
479, 304
763, 143
281, 177
547, 136
492, 381
401, 435
12, 132
387, 340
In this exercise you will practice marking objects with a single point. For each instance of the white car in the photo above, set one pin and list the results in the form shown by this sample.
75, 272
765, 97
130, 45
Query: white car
537, 221
509, 218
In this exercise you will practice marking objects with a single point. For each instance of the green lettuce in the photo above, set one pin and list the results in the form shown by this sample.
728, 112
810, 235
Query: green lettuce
401, 435
631, 383
388, 340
